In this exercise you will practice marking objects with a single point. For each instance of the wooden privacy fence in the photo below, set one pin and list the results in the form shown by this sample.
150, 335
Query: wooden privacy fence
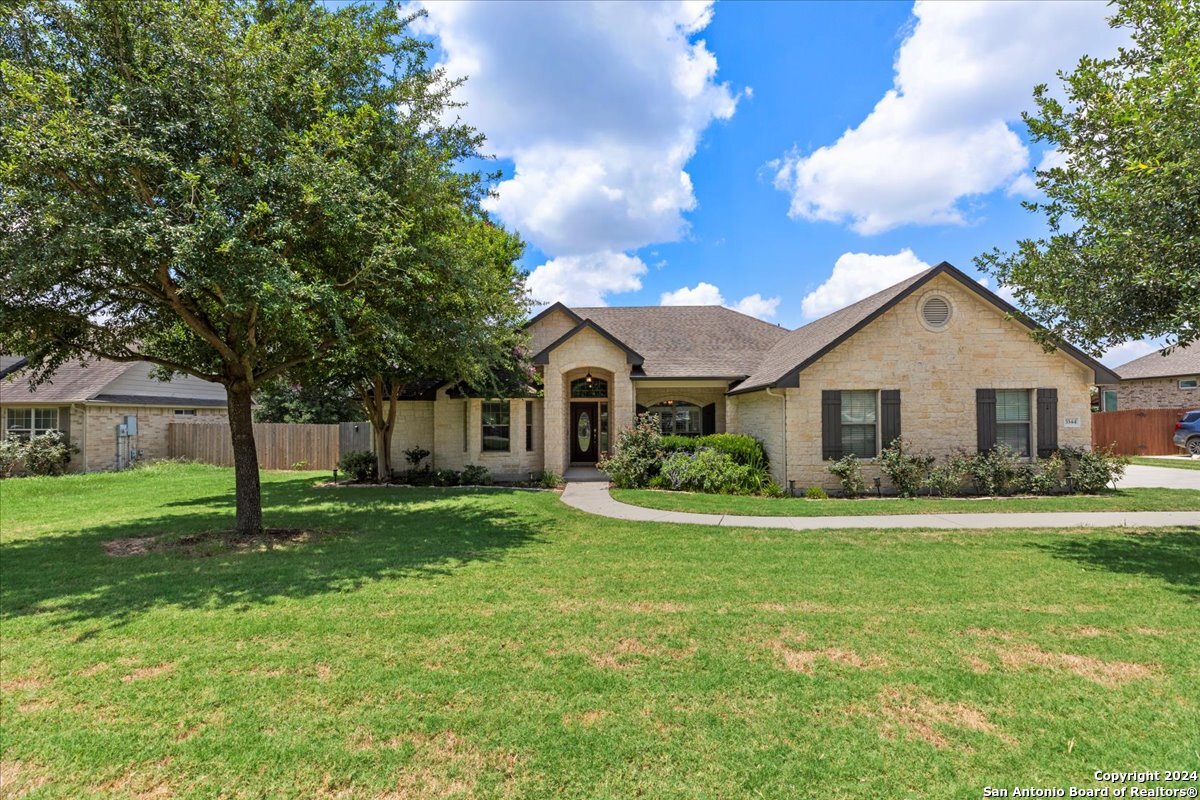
280, 445
1138, 431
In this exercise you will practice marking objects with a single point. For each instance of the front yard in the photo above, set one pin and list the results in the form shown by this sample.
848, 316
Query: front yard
459, 643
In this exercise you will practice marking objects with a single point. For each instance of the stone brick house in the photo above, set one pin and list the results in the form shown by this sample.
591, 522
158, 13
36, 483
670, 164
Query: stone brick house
94, 404
937, 358
1166, 379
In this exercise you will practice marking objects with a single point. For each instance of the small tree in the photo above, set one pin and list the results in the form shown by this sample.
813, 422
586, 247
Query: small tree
232, 190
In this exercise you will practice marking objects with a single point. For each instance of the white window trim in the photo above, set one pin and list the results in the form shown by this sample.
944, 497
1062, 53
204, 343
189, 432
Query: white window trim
1194, 381
34, 429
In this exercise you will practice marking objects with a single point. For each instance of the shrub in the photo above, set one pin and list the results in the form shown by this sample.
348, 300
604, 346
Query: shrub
359, 465
948, 478
300, 465
46, 454
475, 475
549, 479
906, 470
772, 489
445, 477
638, 453
816, 493
848, 471
708, 470
995, 470
678, 444
1091, 471
420, 477
11, 452
1044, 476
415, 456
743, 449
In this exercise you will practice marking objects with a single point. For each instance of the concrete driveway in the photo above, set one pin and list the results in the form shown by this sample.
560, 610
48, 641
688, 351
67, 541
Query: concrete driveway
1139, 477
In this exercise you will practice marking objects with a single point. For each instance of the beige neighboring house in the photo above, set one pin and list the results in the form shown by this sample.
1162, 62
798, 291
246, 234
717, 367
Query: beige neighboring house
1165, 379
113, 412
936, 358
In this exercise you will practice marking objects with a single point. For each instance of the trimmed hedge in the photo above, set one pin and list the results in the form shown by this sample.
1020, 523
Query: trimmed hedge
744, 450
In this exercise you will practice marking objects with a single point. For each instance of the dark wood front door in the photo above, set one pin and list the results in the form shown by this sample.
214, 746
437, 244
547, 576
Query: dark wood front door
584, 441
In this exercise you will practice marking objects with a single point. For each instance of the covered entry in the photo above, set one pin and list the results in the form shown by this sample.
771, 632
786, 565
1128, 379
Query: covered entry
587, 430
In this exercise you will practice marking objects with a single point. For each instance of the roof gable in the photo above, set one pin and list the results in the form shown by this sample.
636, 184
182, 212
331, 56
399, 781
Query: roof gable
631, 356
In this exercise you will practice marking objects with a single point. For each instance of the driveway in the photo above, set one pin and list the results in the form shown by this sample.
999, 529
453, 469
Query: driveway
1139, 477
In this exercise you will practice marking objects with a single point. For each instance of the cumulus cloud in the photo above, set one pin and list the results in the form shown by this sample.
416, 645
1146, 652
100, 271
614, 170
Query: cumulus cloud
705, 294
1025, 184
942, 132
585, 280
1124, 353
599, 105
859, 275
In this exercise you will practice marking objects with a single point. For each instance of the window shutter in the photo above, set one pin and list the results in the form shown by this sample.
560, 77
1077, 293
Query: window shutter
1047, 422
889, 407
641, 410
831, 424
985, 419
708, 419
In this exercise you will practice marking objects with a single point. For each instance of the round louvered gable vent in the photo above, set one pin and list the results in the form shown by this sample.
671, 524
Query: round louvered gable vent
936, 312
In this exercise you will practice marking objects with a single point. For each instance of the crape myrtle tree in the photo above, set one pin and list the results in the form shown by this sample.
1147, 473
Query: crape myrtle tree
228, 189
1122, 258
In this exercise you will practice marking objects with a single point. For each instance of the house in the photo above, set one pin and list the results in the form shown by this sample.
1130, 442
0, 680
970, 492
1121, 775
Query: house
937, 358
93, 403
1168, 378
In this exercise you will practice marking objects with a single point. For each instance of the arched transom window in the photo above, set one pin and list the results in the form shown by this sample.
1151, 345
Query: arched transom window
589, 386
677, 418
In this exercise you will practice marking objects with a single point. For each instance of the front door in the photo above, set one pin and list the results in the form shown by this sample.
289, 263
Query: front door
583, 431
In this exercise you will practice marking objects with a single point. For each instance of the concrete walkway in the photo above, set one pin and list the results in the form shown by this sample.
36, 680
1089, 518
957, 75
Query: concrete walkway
1140, 477
593, 497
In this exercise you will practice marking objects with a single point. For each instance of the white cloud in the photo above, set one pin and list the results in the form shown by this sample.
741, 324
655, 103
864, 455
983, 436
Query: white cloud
1124, 353
942, 133
1025, 184
585, 280
859, 275
599, 105
705, 294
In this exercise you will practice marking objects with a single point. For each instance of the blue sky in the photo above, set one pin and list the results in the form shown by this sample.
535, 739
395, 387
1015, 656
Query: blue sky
780, 158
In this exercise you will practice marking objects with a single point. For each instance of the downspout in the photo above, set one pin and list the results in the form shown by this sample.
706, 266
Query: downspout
782, 397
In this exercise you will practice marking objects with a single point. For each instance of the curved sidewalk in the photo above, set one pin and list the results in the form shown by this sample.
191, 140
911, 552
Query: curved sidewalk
593, 497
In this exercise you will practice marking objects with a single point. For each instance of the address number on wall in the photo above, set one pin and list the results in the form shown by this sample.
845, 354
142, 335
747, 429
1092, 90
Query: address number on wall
1072, 422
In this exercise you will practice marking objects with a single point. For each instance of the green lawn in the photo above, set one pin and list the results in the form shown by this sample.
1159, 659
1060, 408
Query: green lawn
1175, 463
1121, 500
456, 643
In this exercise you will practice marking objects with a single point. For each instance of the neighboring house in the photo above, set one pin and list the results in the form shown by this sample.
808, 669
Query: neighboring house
89, 403
1165, 379
937, 358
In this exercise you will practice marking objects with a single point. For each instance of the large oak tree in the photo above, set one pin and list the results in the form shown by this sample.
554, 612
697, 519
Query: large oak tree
235, 189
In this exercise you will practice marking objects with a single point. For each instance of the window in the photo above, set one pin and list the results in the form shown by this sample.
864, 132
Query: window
588, 386
677, 418
604, 427
1188, 383
1012, 419
859, 419
528, 425
26, 422
1110, 400
185, 412
495, 426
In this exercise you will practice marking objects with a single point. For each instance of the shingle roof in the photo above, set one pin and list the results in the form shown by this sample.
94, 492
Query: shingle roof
71, 383
688, 341
1180, 361
805, 343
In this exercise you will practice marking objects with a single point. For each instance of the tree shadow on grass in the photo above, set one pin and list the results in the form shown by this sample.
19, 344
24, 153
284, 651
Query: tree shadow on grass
382, 534
1172, 556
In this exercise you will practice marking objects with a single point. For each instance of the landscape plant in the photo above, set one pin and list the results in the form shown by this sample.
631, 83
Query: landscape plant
848, 471
635, 459
44, 454
359, 465
994, 471
948, 477
907, 471
707, 470
475, 475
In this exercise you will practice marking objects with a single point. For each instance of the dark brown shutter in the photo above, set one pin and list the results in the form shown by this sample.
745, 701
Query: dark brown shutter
708, 419
1047, 422
985, 419
831, 424
641, 410
889, 424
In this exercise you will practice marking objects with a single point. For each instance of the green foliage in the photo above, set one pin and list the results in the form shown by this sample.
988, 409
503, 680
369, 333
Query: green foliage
475, 475
995, 471
708, 470
815, 493
907, 471
678, 444
949, 477
1091, 471
47, 454
1042, 476
549, 479
636, 457
848, 471
446, 477
415, 455
1120, 261
743, 449
314, 402
359, 465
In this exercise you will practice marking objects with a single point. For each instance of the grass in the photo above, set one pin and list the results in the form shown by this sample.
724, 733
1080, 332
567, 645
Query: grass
464, 643
1120, 500
1174, 463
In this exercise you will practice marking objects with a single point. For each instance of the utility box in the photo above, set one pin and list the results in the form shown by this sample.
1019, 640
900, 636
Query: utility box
131, 426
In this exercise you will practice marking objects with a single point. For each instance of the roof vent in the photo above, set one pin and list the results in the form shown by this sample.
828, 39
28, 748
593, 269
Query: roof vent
936, 312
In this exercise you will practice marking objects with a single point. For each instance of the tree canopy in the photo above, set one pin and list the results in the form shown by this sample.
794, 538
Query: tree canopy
235, 189
1122, 258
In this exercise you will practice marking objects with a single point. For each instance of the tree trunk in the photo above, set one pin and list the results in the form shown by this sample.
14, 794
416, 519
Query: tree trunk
245, 461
